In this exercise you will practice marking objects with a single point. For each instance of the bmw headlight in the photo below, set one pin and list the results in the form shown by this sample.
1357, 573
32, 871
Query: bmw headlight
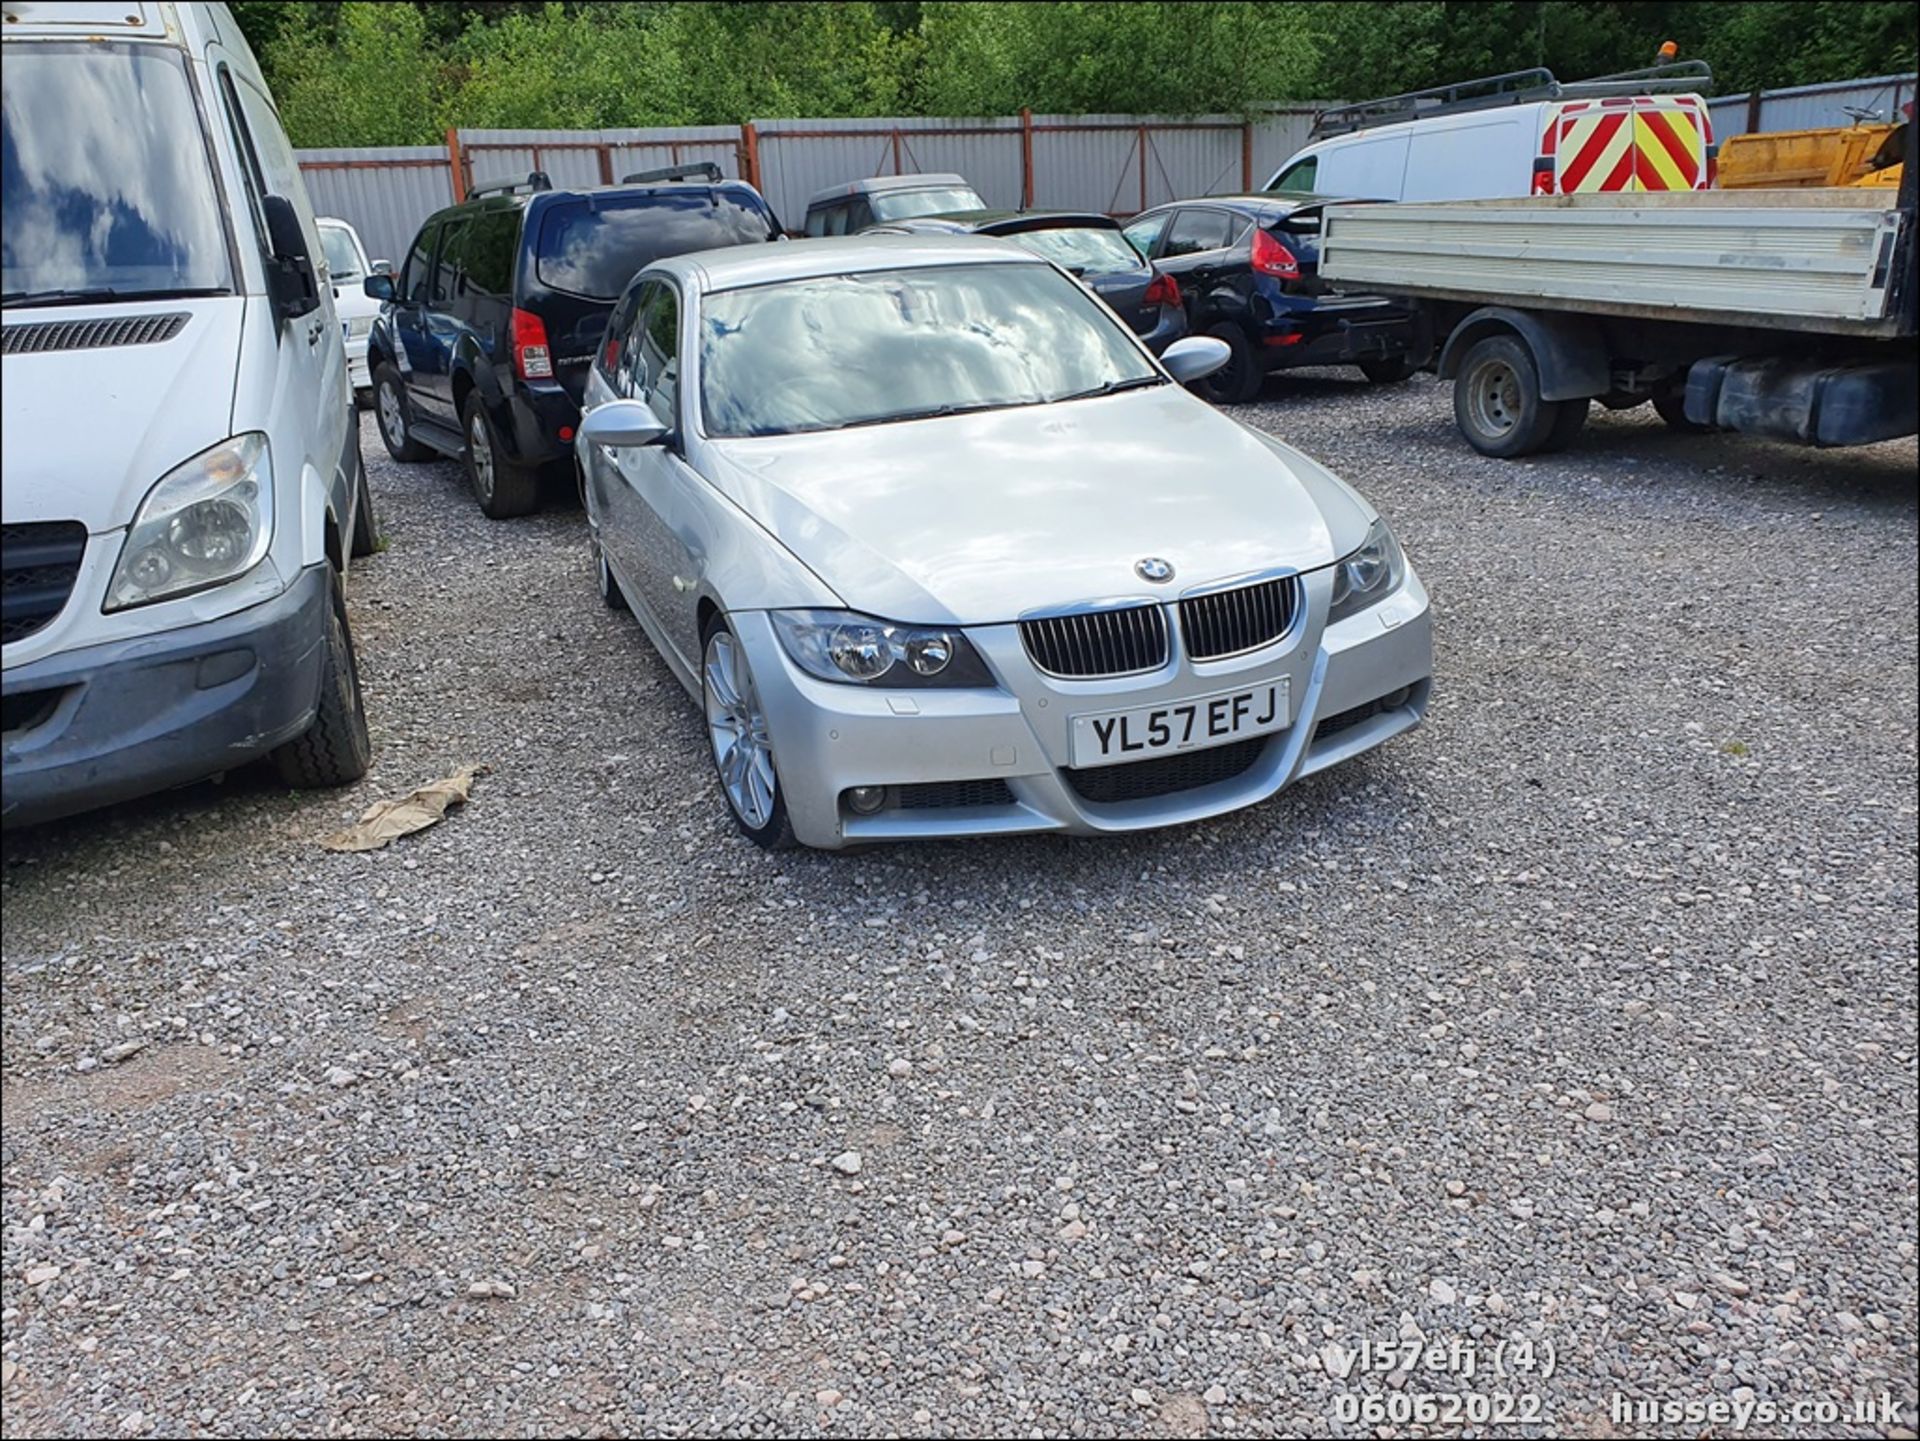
1370, 574
207, 521
845, 646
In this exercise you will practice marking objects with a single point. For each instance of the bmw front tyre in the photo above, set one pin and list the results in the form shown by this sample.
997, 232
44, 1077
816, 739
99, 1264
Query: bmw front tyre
737, 734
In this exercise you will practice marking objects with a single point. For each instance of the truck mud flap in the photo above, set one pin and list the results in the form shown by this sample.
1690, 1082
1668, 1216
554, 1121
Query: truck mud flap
1806, 401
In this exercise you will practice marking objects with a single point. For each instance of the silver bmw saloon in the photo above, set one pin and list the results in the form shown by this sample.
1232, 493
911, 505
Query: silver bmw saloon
942, 550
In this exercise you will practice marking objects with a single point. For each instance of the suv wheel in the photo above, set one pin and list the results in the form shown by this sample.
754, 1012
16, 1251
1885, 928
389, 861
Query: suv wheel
390, 413
503, 489
1387, 369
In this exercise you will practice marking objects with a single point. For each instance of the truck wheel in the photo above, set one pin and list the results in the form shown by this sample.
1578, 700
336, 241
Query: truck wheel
503, 489
1671, 406
334, 749
366, 530
1571, 420
391, 415
1496, 400
1387, 370
1238, 381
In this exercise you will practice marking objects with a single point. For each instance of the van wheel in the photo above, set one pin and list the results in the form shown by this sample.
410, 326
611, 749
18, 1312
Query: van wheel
334, 749
366, 529
1238, 381
1387, 370
1496, 400
391, 415
503, 489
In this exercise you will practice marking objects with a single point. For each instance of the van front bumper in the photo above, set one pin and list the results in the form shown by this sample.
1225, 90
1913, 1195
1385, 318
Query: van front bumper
92, 727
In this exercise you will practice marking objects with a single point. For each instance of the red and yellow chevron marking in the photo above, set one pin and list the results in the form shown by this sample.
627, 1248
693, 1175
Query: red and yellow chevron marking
1626, 145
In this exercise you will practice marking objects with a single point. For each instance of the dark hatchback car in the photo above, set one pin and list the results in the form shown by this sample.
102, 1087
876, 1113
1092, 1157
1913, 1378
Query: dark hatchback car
1089, 245
490, 326
1248, 267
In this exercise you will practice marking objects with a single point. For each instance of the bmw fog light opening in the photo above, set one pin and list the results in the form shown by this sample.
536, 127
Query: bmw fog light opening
1370, 574
865, 800
206, 521
854, 649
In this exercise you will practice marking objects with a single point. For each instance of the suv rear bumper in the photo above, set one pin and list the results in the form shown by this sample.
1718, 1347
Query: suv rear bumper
110, 722
535, 415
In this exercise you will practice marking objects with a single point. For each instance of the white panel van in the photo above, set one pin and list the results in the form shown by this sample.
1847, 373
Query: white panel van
183, 489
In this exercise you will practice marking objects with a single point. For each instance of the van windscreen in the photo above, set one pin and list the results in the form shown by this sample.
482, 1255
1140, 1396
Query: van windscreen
105, 186
593, 246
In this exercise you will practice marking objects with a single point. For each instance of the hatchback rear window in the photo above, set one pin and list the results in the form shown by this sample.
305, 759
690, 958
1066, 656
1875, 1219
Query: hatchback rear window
593, 247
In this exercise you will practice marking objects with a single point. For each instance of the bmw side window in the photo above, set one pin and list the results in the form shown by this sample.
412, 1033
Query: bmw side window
615, 348
631, 378
661, 352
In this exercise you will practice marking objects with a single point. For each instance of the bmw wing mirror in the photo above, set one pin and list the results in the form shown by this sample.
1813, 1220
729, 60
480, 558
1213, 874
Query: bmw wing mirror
1195, 358
617, 423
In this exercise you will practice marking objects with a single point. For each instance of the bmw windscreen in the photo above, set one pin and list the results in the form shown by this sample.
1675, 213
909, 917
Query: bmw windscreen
889, 345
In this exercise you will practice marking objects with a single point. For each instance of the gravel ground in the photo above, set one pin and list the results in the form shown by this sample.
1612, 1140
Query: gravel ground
1584, 1016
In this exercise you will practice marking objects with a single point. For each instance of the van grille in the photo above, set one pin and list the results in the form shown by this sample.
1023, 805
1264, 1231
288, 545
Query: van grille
38, 562
1227, 622
1098, 643
48, 335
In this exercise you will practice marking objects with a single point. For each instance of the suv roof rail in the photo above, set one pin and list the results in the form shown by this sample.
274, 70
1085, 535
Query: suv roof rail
1516, 87
536, 180
692, 170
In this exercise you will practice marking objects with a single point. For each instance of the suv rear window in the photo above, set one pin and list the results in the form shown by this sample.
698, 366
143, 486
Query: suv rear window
593, 247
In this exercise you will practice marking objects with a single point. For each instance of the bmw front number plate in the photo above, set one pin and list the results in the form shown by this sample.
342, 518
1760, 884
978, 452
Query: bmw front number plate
1110, 737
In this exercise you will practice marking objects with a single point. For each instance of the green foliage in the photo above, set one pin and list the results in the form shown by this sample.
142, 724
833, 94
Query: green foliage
399, 73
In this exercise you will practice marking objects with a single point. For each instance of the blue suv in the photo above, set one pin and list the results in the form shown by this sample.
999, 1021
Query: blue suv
482, 347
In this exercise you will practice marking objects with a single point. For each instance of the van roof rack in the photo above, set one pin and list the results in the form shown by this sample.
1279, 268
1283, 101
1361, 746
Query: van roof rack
694, 170
1517, 87
536, 180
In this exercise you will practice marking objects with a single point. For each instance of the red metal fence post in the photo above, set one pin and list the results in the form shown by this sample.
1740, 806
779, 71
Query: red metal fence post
750, 154
1246, 156
456, 163
1026, 157
896, 152
606, 163
1143, 167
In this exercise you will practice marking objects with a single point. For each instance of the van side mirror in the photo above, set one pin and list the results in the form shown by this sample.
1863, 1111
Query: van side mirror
291, 281
378, 287
621, 422
383, 267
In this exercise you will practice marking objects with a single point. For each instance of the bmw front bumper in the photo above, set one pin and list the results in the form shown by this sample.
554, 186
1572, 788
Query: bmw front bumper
998, 762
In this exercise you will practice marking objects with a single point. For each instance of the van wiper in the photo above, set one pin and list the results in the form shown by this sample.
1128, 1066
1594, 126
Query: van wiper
1114, 387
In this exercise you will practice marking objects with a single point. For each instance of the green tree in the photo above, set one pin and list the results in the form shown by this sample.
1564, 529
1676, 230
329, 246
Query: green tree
374, 82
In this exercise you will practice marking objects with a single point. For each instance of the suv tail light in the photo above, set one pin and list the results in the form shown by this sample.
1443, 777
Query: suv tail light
1163, 290
531, 358
1270, 257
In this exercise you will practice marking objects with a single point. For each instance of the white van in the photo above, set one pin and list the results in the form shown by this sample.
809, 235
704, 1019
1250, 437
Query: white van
348, 269
1512, 135
182, 478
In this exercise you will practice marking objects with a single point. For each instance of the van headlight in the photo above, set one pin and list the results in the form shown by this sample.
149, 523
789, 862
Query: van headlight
1370, 574
206, 521
842, 645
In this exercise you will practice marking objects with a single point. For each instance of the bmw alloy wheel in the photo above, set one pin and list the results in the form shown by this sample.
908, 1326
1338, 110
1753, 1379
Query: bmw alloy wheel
737, 729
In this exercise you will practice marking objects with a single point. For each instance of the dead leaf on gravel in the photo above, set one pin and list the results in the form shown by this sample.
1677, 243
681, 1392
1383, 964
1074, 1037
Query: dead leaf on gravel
386, 821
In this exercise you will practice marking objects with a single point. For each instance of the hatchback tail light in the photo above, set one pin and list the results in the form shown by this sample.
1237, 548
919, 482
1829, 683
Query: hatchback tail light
531, 358
1163, 290
1270, 257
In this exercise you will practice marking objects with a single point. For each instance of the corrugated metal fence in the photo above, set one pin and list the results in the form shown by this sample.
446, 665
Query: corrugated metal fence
1810, 107
1115, 163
